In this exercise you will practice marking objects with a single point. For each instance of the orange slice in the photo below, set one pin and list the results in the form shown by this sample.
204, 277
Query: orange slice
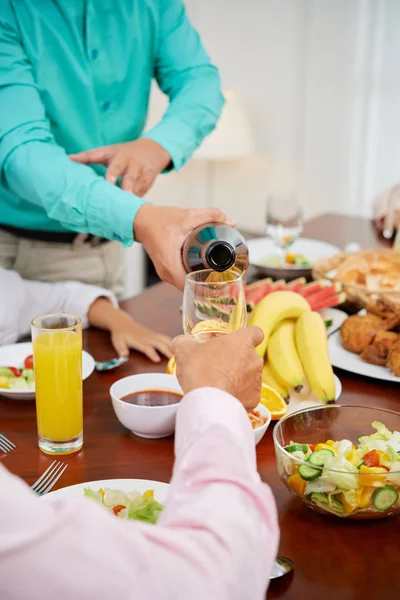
273, 401
171, 366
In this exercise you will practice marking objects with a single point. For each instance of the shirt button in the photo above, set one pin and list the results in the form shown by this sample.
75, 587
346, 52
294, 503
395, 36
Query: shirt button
106, 106
94, 54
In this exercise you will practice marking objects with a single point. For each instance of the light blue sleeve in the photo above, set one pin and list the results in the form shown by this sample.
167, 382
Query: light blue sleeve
183, 71
34, 168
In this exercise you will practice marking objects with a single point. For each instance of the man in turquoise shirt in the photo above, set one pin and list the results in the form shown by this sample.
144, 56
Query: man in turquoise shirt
74, 89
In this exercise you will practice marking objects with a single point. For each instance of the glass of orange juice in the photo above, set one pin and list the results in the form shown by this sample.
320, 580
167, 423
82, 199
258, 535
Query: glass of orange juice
57, 355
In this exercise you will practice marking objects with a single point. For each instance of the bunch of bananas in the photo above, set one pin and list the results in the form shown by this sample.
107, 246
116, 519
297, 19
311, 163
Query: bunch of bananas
295, 346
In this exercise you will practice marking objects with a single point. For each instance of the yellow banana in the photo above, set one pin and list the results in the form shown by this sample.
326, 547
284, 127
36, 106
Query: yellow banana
269, 378
312, 346
283, 358
273, 309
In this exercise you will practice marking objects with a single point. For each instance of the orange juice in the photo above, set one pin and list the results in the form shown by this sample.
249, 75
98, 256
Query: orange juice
58, 383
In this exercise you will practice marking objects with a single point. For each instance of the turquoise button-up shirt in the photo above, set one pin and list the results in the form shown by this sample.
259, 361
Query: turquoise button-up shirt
76, 75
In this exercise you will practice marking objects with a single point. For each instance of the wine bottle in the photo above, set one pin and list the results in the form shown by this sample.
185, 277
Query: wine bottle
217, 247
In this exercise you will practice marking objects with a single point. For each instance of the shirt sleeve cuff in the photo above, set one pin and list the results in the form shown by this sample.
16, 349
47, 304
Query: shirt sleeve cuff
81, 297
205, 407
111, 212
176, 138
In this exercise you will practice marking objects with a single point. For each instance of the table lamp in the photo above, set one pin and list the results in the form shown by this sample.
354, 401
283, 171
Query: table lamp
232, 138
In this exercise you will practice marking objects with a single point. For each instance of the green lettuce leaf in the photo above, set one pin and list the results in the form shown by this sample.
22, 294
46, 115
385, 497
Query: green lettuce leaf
147, 510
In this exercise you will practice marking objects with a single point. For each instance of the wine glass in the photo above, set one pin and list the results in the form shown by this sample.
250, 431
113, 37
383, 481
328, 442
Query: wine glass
213, 304
284, 222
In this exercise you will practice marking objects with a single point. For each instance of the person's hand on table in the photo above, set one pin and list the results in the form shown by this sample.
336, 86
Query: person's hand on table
126, 333
163, 230
387, 211
228, 362
137, 163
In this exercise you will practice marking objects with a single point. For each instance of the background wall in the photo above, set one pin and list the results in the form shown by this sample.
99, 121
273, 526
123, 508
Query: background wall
320, 83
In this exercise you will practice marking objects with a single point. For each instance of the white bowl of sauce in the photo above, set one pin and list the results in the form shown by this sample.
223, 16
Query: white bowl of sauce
147, 403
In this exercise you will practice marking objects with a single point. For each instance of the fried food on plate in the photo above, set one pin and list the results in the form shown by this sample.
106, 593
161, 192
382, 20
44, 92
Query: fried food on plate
359, 331
378, 352
394, 359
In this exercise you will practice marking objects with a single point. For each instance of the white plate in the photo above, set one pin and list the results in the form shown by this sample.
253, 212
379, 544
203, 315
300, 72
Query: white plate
14, 356
261, 248
126, 485
343, 359
338, 318
308, 400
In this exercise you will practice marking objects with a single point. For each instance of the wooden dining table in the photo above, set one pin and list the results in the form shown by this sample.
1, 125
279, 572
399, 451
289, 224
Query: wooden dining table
335, 559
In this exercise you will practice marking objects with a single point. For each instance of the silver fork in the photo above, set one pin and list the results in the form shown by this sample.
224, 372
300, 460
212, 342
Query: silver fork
48, 480
5, 444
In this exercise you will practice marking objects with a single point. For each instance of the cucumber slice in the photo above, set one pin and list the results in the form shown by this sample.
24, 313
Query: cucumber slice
309, 473
384, 498
318, 458
297, 448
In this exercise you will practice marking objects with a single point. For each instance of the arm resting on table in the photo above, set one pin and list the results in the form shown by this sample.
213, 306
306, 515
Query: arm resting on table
216, 538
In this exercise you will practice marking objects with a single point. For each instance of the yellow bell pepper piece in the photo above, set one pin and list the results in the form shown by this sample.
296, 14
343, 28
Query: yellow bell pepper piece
372, 476
366, 496
297, 484
348, 508
383, 456
354, 456
4, 383
327, 446
148, 494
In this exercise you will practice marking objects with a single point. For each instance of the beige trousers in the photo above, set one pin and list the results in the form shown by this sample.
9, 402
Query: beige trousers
102, 265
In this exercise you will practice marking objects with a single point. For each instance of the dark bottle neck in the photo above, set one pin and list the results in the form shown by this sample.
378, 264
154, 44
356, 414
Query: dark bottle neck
220, 255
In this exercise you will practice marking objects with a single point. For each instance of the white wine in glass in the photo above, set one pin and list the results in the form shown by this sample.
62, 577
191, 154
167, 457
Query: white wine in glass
213, 304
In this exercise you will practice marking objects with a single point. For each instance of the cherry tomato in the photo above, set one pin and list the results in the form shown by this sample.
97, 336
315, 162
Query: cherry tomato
16, 372
383, 467
371, 459
28, 362
118, 508
312, 447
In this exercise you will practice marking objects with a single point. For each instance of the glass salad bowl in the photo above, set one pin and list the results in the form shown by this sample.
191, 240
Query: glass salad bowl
342, 460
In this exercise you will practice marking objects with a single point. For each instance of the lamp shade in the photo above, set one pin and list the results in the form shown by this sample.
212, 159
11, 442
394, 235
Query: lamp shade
232, 137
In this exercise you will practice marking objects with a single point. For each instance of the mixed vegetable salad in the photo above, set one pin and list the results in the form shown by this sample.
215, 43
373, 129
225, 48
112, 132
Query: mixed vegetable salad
12, 378
132, 505
343, 479
290, 260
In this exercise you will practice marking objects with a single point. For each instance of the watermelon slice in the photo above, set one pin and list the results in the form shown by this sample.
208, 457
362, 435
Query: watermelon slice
313, 287
320, 295
296, 285
332, 300
279, 285
258, 290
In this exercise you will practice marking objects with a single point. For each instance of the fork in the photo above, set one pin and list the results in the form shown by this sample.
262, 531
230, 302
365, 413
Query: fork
48, 480
5, 444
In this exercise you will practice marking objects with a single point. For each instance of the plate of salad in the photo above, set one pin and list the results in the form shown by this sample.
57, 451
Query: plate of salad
17, 377
128, 499
346, 479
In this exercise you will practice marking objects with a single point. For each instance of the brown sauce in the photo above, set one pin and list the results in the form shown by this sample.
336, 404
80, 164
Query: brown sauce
153, 397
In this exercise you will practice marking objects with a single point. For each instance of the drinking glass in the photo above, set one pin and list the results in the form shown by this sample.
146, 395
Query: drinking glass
213, 304
57, 354
284, 222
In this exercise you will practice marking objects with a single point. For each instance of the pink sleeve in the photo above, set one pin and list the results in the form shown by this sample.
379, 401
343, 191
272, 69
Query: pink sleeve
217, 536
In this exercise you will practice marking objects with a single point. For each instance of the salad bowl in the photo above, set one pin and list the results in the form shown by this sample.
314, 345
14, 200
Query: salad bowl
342, 460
